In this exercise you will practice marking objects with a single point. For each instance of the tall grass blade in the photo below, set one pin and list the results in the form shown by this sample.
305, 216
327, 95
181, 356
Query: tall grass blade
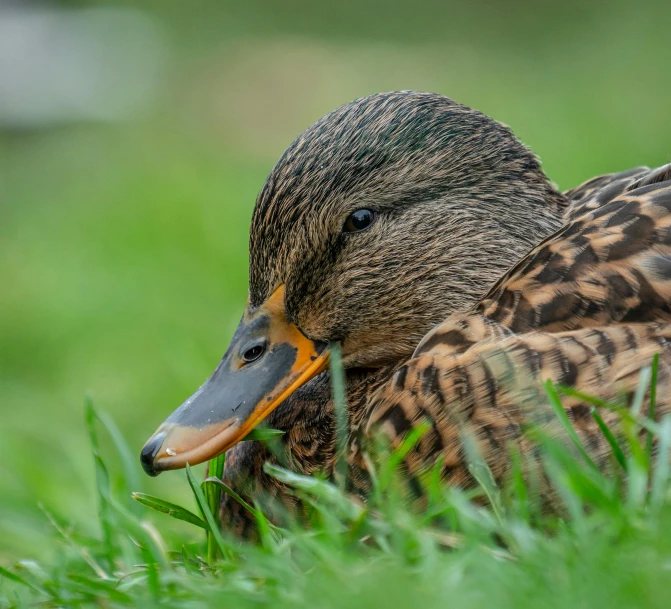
222, 486
585, 397
340, 406
654, 369
397, 457
659, 487
562, 484
215, 469
612, 440
637, 487
81, 550
101, 589
641, 390
17, 579
205, 510
153, 579
171, 509
131, 472
586, 484
320, 489
263, 526
102, 480
638, 463
149, 539
619, 406
480, 470
186, 560
262, 434
518, 485
555, 402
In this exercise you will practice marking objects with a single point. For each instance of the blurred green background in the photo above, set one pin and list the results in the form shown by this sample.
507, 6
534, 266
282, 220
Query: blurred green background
123, 237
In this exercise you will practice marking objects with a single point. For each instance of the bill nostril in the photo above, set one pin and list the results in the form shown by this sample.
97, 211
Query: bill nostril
149, 452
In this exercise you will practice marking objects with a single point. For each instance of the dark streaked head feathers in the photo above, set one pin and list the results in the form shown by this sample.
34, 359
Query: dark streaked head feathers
458, 198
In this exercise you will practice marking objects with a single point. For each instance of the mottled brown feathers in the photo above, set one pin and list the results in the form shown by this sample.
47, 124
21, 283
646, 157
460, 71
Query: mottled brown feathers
607, 264
495, 388
476, 264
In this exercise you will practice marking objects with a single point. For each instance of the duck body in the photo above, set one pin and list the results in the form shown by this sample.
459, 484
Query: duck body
390, 227
588, 307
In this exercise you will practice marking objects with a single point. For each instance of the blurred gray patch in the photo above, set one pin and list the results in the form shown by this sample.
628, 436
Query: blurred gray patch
76, 65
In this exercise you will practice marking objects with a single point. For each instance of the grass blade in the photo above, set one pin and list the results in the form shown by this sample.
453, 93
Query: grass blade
619, 407
557, 406
263, 526
171, 509
639, 463
101, 589
222, 486
340, 406
215, 468
637, 487
82, 551
653, 399
153, 548
561, 481
320, 489
186, 560
660, 476
262, 434
641, 390
102, 479
205, 510
397, 457
588, 486
612, 440
17, 579
480, 471
517, 484
585, 397
131, 472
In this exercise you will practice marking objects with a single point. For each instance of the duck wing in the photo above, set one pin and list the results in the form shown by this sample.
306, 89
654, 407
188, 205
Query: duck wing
599, 190
610, 263
495, 390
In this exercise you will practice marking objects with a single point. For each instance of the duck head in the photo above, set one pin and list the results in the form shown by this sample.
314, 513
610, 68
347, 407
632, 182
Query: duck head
380, 220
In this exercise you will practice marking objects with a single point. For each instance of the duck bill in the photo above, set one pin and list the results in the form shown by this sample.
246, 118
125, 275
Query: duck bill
240, 393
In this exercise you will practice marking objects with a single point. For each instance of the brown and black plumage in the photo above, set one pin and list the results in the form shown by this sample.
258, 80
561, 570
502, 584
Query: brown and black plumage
468, 281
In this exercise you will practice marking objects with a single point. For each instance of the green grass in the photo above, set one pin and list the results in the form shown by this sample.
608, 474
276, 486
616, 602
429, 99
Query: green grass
609, 544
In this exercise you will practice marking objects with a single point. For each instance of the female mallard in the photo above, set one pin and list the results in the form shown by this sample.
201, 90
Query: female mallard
380, 229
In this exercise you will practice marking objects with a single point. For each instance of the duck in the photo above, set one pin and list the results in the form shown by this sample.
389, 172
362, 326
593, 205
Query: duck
424, 241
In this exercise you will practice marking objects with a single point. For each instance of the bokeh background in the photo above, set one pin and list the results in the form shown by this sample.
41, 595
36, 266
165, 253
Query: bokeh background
135, 135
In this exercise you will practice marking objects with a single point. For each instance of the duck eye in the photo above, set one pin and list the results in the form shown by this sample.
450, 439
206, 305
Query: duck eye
359, 220
253, 352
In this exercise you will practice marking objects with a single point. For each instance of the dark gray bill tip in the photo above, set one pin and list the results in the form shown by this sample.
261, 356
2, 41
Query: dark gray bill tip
149, 453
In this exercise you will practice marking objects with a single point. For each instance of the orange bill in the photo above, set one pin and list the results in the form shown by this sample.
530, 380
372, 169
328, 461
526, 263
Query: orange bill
267, 360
